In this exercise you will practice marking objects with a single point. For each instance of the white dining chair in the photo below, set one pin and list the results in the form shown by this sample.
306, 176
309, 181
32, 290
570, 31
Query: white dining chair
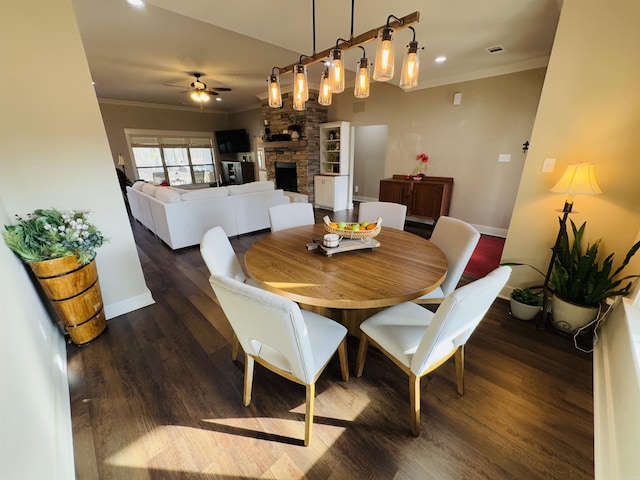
419, 341
221, 259
457, 240
289, 215
393, 214
281, 337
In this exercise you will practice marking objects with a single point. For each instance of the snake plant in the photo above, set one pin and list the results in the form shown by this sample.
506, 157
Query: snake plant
579, 277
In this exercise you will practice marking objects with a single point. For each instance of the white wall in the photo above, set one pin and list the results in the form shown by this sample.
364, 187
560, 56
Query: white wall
53, 153
369, 149
35, 424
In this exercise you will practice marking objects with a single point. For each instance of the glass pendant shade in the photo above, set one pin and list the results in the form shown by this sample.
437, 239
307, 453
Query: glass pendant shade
384, 62
324, 95
336, 71
300, 84
275, 95
299, 103
410, 67
361, 89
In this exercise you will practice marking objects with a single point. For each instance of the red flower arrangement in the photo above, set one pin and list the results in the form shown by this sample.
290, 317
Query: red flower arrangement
421, 167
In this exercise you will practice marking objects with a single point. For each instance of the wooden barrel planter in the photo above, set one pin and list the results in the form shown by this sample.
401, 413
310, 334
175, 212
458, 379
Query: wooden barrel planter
74, 292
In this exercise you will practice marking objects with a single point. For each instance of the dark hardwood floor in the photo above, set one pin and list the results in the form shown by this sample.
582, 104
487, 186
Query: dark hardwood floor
158, 397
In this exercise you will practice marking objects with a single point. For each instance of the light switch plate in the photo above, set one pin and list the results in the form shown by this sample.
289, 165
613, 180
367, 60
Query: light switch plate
504, 157
548, 165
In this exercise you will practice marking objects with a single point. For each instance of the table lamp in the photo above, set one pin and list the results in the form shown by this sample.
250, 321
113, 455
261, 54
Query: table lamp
578, 179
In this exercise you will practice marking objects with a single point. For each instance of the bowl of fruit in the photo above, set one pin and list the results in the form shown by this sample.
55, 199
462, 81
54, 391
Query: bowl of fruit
362, 230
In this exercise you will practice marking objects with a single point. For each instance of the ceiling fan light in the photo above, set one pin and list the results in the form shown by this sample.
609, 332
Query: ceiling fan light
384, 61
336, 71
274, 93
410, 67
361, 89
200, 96
324, 94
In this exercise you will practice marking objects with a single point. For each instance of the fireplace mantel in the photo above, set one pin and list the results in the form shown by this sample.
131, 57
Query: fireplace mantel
288, 144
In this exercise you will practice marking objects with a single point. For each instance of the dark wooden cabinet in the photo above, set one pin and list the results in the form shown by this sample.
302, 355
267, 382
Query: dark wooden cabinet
427, 198
237, 173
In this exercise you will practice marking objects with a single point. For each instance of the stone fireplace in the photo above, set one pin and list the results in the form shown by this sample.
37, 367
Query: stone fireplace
303, 153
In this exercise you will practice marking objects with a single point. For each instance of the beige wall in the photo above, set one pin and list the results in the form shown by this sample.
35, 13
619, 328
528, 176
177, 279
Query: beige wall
53, 153
496, 116
118, 116
589, 112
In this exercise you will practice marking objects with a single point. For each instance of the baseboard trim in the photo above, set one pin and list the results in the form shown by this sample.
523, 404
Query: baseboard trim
128, 305
493, 231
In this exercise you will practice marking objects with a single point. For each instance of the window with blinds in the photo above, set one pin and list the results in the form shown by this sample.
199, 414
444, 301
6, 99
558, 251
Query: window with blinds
178, 158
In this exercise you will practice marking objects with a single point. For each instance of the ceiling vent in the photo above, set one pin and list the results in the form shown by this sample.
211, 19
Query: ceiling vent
495, 49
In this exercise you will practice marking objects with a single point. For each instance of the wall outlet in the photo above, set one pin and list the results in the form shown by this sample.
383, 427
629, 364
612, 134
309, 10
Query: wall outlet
504, 157
548, 165
355, 189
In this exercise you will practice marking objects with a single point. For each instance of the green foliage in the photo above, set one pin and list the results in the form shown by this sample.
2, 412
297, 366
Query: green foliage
528, 295
577, 275
48, 234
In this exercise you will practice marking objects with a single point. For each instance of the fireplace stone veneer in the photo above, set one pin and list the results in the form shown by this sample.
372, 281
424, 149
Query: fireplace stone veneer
305, 153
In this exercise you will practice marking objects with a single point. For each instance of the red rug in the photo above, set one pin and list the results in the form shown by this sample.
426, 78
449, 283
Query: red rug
486, 256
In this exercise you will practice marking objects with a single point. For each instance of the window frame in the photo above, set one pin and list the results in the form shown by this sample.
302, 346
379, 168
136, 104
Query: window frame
169, 139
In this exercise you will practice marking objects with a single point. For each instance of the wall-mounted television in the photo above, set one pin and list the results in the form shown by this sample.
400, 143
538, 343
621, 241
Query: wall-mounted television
233, 141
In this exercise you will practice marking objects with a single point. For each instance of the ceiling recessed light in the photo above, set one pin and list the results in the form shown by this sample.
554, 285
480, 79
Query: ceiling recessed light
441, 59
136, 3
218, 99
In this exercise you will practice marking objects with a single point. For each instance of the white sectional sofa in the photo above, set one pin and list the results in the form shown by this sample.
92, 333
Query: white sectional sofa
181, 217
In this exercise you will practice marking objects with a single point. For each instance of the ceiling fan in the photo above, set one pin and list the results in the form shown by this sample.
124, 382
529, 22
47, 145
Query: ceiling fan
200, 92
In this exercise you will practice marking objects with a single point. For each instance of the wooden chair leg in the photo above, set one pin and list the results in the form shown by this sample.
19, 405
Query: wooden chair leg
344, 359
249, 363
459, 359
234, 347
308, 419
414, 401
362, 354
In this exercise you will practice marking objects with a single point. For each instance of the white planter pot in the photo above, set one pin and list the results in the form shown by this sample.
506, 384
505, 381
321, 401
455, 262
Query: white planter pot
569, 317
522, 311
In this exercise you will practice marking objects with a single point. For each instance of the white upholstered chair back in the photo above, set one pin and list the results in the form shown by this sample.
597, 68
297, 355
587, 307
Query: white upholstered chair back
456, 319
268, 326
393, 214
458, 240
219, 256
289, 215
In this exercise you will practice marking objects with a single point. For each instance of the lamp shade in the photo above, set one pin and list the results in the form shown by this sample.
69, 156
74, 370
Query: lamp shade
578, 179
121, 159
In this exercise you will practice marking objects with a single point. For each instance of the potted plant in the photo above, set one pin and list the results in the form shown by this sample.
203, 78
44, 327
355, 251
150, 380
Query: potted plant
59, 247
525, 303
581, 283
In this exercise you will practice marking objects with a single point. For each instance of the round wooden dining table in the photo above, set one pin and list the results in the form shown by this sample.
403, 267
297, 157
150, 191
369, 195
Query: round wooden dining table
348, 286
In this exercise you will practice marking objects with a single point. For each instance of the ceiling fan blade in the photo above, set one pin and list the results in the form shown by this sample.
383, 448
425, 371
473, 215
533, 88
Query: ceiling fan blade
211, 92
221, 89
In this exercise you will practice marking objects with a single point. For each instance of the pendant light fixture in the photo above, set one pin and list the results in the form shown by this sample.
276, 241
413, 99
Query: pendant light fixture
324, 95
411, 65
334, 76
274, 92
361, 89
384, 63
336, 70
